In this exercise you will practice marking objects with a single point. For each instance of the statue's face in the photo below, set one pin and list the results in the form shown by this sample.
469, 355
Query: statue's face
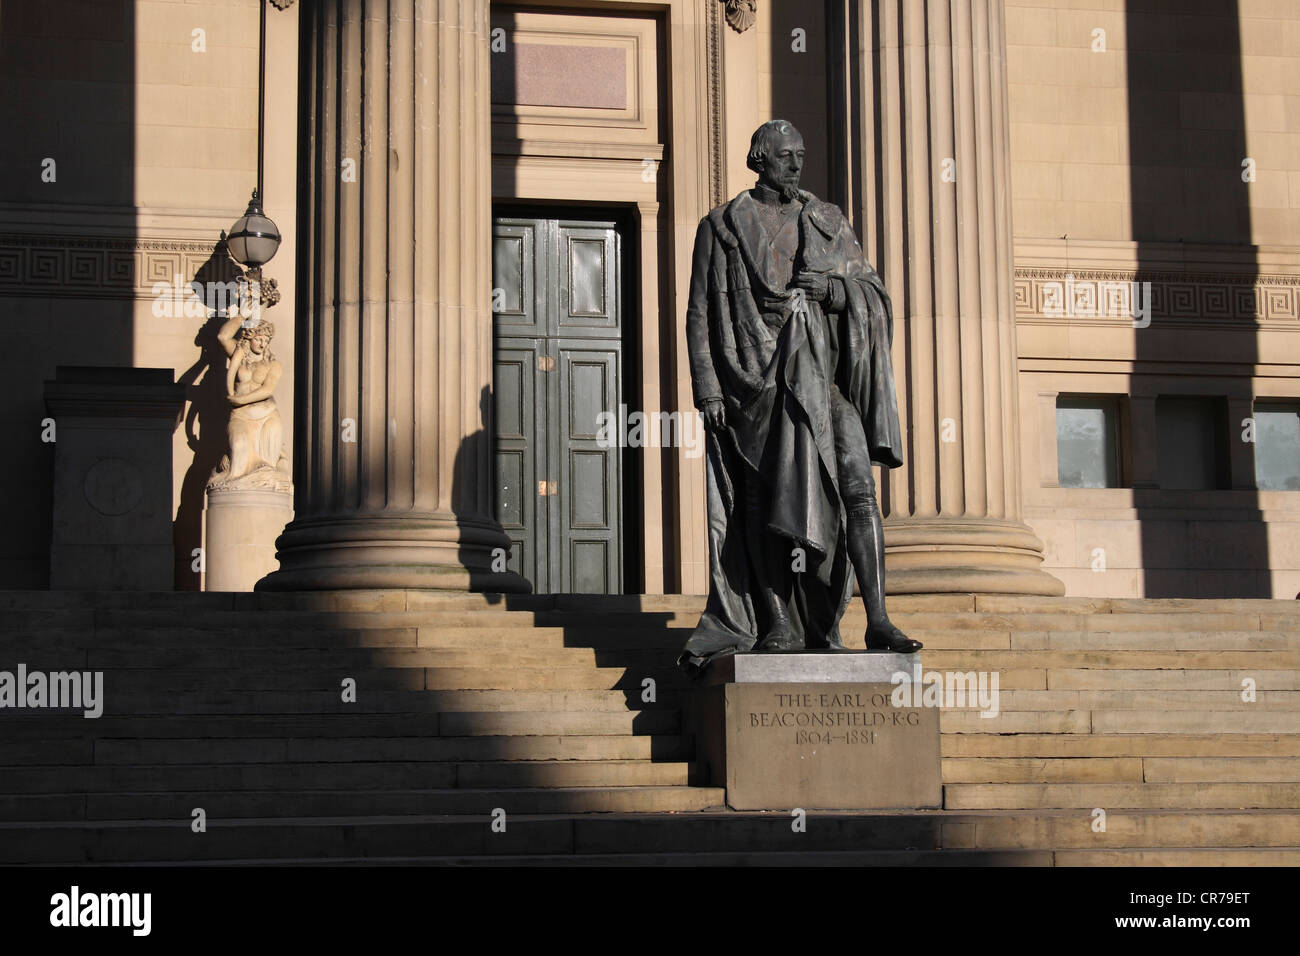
257, 344
783, 164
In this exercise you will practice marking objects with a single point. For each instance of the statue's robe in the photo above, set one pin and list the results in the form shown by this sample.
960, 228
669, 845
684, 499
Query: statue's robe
773, 355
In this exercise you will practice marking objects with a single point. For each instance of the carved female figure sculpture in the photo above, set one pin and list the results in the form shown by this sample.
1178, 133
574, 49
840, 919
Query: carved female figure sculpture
256, 458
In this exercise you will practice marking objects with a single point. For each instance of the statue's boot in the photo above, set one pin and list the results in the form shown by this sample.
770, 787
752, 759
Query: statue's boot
867, 552
890, 638
778, 634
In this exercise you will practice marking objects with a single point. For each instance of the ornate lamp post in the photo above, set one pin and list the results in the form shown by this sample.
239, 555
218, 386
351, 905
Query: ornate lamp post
250, 494
254, 238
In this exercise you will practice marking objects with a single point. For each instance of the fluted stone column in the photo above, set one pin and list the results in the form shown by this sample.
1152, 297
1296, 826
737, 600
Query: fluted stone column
936, 219
394, 358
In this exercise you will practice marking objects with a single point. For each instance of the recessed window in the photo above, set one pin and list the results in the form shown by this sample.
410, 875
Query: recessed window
1087, 442
1190, 442
1277, 446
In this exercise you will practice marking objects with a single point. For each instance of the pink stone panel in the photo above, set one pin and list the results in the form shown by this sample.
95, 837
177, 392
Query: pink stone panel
532, 74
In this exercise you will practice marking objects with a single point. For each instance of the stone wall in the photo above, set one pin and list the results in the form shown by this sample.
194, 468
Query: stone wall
1130, 125
132, 139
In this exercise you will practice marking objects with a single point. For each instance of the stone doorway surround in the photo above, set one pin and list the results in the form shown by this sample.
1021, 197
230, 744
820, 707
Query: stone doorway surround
566, 139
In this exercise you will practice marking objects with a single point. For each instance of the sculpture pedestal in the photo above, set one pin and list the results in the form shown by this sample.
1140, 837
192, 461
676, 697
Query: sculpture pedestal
817, 731
243, 524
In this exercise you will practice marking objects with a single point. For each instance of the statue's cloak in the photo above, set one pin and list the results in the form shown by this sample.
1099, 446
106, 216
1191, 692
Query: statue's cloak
775, 374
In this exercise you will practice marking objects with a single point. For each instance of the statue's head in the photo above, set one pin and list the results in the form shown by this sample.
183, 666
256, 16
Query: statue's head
776, 154
257, 339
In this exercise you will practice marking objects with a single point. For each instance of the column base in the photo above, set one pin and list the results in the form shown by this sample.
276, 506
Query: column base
411, 551
965, 555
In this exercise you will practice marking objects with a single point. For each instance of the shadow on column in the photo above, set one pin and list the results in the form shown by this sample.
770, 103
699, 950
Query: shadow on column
1187, 143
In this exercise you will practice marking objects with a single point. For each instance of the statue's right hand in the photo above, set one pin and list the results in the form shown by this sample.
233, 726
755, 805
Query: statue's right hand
714, 414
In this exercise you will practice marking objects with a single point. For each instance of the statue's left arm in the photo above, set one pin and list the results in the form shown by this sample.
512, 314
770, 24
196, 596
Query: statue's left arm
854, 267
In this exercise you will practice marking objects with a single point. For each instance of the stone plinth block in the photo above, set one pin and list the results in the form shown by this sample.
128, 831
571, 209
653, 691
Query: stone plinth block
242, 525
848, 668
112, 501
817, 731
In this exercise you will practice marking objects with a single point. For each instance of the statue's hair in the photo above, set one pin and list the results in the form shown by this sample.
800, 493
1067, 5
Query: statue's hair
263, 327
761, 142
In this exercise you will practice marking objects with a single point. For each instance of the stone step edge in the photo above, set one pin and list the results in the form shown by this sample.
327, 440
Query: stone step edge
716, 815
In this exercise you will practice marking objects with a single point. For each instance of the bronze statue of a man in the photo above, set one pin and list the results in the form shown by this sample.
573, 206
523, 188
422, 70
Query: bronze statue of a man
789, 331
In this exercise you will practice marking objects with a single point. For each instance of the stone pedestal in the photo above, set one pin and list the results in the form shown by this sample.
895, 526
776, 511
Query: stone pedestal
817, 731
112, 502
242, 525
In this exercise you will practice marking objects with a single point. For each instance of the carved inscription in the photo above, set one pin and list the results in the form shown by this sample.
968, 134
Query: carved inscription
833, 717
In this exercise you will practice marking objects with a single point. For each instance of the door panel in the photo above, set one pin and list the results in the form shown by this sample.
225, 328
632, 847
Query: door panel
558, 365
588, 273
515, 415
518, 291
590, 561
590, 500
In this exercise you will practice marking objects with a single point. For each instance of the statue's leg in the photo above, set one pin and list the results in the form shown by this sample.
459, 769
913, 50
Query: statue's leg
866, 531
240, 448
271, 441
773, 595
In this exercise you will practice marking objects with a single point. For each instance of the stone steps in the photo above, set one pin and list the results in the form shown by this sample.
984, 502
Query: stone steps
362, 599
586, 712
523, 639
1127, 700
374, 659
533, 703
43, 757
954, 660
1120, 722
150, 683
1172, 640
1145, 796
421, 772
1033, 837
1063, 619
1147, 679
1120, 745
289, 803
123, 684
858, 859
1122, 770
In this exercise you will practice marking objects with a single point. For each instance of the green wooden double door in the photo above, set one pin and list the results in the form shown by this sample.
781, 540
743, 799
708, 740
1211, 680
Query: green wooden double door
557, 367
